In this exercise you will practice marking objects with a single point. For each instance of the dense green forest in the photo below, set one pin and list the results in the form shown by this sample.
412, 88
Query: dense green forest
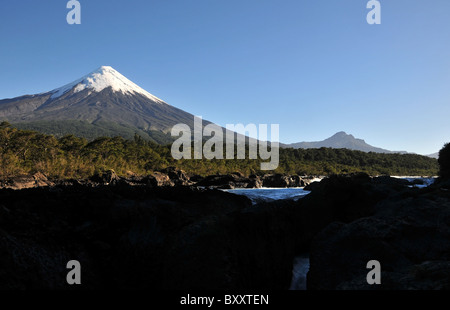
91, 131
24, 152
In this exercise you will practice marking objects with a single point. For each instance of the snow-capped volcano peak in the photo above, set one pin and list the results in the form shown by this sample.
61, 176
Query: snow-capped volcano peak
102, 78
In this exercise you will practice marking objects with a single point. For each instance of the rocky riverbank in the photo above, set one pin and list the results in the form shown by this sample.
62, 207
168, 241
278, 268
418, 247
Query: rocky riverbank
406, 229
168, 177
170, 231
143, 237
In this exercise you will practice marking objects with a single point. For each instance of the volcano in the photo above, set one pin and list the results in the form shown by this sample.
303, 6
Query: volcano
104, 102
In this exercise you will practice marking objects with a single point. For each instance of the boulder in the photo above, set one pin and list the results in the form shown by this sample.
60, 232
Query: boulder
283, 181
178, 177
312, 186
105, 178
255, 182
297, 181
407, 231
196, 178
227, 181
418, 182
158, 179
387, 180
27, 181
276, 180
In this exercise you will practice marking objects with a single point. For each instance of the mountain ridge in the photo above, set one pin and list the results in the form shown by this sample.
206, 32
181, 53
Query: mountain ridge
342, 140
434, 155
106, 103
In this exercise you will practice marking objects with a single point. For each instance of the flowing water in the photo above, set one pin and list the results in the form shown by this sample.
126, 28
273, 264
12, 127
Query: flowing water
301, 263
258, 195
299, 271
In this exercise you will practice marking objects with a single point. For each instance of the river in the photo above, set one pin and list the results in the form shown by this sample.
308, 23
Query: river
257, 195
301, 263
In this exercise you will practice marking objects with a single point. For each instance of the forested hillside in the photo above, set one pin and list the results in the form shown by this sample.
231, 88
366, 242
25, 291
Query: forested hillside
24, 152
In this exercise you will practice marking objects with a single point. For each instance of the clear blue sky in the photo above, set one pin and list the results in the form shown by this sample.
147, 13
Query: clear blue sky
314, 67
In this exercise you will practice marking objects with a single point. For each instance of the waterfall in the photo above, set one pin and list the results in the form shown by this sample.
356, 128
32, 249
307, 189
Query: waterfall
299, 271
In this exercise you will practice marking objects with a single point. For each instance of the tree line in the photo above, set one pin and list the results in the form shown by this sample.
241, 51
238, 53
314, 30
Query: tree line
27, 152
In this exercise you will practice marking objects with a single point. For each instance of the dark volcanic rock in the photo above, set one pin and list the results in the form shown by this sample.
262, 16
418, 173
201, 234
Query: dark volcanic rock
312, 186
418, 182
282, 181
387, 180
196, 178
276, 180
227, 181
106, 178
158, 179
255, 181
344, 198
182, 237
237, 180
137, 237
178, 177
26, 181
408, 232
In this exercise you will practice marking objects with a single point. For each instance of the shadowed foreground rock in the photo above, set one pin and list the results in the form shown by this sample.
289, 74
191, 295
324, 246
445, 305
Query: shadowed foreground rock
164, 178
133, 234
408, 232
140, 237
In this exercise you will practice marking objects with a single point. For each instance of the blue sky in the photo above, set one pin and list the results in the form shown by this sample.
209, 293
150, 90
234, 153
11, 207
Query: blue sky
314, 67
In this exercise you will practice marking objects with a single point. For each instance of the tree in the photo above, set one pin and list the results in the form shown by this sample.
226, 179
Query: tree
444, 161
4, 125
70, 143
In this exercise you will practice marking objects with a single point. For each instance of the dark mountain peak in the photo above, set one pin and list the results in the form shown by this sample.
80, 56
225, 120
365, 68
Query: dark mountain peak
340, 140
342, 136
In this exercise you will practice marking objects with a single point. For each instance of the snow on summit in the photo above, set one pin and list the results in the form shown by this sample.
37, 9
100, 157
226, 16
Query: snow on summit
102, 78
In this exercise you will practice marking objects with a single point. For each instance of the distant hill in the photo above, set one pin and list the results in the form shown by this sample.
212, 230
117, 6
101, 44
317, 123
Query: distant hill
434, 155
341, 140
